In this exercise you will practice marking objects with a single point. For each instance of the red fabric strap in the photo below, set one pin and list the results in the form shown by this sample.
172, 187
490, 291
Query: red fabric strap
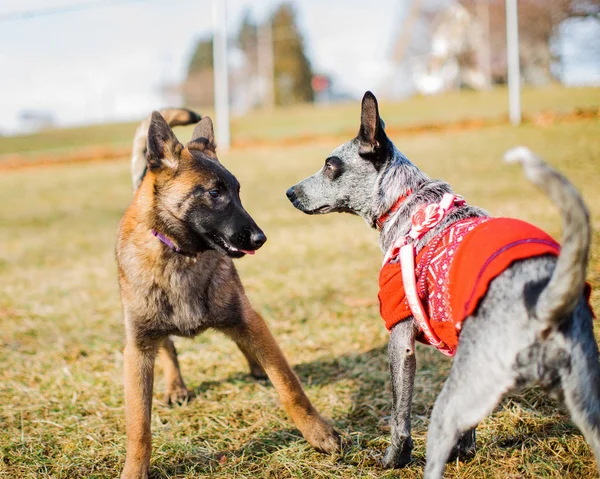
395, 207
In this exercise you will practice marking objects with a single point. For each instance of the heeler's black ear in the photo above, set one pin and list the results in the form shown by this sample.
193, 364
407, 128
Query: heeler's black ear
373, 139
203, 136
163, 146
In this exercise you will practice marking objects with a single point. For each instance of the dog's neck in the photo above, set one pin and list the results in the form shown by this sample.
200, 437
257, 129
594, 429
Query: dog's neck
401, 178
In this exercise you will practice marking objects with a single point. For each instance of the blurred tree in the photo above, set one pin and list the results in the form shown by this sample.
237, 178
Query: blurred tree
247, 38
292, 69
578, 9
203, 56
198, 88
539, 21
247, 34
293, 73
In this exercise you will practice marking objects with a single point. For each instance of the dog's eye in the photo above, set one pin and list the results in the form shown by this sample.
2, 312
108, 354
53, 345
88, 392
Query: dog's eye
214, 193
328, 166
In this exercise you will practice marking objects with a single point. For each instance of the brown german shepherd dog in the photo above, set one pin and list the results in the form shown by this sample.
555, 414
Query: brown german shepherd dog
174, 248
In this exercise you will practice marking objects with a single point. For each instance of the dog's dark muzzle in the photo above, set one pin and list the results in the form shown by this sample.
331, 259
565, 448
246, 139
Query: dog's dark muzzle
291, 194
248, 239
257, 239
293, 197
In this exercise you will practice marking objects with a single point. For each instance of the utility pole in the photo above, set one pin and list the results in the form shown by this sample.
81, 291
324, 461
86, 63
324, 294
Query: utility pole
266, 63
512, 53
221, 74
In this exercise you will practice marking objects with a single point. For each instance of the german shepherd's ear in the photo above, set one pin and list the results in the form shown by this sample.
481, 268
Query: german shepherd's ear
163, 146
373, 140
203, 136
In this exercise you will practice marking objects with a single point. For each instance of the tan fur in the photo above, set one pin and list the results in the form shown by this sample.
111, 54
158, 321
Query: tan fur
166, 293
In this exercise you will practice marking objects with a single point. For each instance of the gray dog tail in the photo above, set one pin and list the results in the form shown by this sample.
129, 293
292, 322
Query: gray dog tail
558, 300
174, 117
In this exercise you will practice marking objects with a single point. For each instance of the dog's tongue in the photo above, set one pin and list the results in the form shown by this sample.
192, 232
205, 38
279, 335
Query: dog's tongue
247, 251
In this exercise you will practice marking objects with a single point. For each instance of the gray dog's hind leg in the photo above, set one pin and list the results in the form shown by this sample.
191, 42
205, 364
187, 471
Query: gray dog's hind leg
466, 447
403, 364
469, 395
581, 380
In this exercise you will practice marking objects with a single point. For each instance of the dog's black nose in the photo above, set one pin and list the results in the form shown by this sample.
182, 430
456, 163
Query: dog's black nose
290, 194
258, 239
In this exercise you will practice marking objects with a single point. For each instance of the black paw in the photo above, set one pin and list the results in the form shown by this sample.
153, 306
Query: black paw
466, 447
398, 456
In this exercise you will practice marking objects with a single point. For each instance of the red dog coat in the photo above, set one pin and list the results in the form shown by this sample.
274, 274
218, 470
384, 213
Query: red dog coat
453, 272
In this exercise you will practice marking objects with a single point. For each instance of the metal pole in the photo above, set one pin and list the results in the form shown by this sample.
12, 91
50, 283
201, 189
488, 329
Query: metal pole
221, 74
512, 53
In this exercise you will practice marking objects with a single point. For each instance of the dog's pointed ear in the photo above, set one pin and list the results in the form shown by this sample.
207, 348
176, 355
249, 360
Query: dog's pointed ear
371, 134
204, 133
163, 146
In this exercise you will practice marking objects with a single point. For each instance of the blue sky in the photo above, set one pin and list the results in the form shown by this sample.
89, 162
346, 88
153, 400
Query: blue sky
108, 62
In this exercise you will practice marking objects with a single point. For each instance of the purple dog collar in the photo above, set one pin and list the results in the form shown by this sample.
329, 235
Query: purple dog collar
166, 241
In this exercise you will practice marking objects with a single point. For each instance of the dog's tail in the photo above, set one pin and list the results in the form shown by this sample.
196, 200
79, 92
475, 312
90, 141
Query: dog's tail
560, 296
174, 117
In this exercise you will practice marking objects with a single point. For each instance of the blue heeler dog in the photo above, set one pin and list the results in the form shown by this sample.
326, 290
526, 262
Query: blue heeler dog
533, 326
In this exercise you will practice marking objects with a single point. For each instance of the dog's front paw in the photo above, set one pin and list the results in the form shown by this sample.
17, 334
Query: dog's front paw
323, 437
178, 395
398, 456
466, 447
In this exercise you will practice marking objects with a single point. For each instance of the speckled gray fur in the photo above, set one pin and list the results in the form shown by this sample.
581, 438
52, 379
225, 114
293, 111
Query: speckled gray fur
534, 325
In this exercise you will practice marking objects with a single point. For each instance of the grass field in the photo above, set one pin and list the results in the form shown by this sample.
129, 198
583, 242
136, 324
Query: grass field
315, 282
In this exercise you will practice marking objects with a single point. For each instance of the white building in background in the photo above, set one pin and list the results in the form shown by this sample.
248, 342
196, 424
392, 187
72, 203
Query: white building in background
439, 48
452, 61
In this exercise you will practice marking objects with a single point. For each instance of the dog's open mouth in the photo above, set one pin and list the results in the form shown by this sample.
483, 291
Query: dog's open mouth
229, 250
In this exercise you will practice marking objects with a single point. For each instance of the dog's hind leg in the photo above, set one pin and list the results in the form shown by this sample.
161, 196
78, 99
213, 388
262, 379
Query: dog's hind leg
580, 382
139, 378
253, 335
466, 447
256, 370
470, 393
176, 392
403, 364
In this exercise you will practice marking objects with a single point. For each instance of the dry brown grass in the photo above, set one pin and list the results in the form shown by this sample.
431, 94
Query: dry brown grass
61, 407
